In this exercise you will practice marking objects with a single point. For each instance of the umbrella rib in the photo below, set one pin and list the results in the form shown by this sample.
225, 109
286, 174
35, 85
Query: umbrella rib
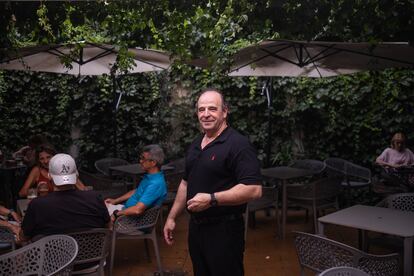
280, 57
269, 53
370, 55
28, 54
313, 61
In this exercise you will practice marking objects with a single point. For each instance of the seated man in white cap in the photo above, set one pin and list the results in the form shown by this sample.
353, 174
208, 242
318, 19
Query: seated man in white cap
67, 208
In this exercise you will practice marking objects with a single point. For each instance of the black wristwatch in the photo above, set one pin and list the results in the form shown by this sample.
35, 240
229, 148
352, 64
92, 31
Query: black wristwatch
9, 215
115, 213
213, 200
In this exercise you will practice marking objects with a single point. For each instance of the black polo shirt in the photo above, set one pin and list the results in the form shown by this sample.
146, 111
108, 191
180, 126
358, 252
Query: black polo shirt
227, 161
62, 211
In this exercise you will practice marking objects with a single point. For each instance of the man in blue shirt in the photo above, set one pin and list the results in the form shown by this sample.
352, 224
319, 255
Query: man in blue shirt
152, 189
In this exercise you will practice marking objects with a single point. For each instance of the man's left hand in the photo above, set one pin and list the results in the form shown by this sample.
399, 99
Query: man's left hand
199, 202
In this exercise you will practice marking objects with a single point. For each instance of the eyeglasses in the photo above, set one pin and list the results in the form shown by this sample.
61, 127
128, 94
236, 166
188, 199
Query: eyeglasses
143, 159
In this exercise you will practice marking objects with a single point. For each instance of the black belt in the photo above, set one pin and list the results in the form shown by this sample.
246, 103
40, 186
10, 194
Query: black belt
211, 220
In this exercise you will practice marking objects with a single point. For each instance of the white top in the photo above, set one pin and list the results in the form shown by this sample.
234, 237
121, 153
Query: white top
372, 218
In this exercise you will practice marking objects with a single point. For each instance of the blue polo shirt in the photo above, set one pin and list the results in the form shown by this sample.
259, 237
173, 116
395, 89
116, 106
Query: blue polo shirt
151, 191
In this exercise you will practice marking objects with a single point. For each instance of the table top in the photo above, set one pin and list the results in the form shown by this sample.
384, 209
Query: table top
373, 218
12, 167
135, 169
285, 172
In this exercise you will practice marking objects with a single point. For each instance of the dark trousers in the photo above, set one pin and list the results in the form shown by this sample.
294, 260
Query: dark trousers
217, 249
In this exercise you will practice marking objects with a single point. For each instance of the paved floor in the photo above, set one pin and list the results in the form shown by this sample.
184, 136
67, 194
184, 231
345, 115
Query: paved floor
264, 255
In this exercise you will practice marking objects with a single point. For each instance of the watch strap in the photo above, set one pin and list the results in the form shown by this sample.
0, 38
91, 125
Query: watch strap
213, 200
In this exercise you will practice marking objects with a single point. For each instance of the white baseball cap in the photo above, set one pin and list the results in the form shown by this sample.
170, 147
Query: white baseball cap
62, 169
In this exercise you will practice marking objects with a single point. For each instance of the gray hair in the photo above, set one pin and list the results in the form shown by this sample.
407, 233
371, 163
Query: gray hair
155, 153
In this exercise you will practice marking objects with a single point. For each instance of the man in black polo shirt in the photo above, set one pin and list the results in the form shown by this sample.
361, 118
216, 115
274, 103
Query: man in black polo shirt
222, 173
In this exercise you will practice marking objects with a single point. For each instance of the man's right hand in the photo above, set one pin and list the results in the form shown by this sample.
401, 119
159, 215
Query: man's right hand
110, 201
168, 231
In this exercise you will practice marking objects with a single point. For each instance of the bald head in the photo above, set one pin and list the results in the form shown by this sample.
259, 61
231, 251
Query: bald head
212, 112
223, 103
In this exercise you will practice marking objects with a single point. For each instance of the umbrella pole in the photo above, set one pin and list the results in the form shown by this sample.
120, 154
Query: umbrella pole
269, 96
115, 130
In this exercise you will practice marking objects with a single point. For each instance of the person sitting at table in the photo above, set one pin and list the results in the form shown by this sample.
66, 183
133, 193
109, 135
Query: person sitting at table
397, 155
65, 209
28, 153
8, 216
152, 189
393, 160
38, 176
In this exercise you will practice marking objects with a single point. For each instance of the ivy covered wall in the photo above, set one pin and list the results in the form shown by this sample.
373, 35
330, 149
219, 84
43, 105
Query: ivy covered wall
348, 116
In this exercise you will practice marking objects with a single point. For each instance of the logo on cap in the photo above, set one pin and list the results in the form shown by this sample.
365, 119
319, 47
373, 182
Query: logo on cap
65, 169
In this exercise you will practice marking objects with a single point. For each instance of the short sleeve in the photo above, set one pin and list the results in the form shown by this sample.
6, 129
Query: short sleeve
151, 194
384, 156
246, 166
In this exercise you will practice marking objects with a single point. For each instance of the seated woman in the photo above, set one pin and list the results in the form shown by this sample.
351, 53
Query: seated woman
394, 160
39, 175
398, 155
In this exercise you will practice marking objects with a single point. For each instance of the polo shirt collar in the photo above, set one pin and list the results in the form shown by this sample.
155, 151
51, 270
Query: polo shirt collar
220, 139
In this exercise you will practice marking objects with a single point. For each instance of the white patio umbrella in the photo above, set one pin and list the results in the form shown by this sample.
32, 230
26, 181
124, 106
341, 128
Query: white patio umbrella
89, 59
82, 59
319, 59
290, 58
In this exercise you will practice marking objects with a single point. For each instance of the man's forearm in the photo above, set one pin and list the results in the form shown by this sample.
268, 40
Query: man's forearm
124, 197
180, 201
239, 194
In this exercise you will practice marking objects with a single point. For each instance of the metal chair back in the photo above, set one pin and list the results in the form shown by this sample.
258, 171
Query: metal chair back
269, 199
319, 194
335, 166
103, 165
51, 255
137, 227
318, 253
343, 271
94, 248
310, 164
402, 202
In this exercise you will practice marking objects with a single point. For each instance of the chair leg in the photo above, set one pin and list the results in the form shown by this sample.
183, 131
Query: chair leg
112, 253
157, 252
278, 230
147, 250
246, 222
315, 217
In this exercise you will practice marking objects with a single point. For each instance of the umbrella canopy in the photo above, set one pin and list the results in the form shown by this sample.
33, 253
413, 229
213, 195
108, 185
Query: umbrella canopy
90, 59
84, 59
319, 59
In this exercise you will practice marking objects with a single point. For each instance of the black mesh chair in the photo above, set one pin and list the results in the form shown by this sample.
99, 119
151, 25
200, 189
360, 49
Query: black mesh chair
317, 195
137, 227
94, 248
354, 176
403, 202
51, 255
318, 253
103, 165
316, 166
343, 271
103, 185
268, 200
